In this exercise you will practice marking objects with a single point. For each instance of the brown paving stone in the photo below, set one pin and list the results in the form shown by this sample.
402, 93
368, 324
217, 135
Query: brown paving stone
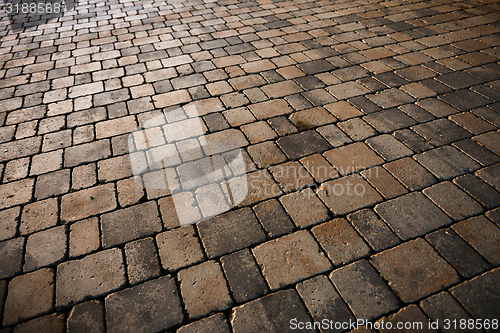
357, 129
11, 261
84, 237
270, 109
87, 152
266, 154
375, 232
88, 202
489, 140
179, 248
291, 176
414, 270
383, 182
38, 216
53, 323
45, 248
16, 193
258, 131
412, 317
304, 208
290, 259
273, 218
319, 168
29, 295
87, 316
446, 162
343, 110
9, 219
213, 324
352, 158
478, 152
142, 260
311, 118
410, 173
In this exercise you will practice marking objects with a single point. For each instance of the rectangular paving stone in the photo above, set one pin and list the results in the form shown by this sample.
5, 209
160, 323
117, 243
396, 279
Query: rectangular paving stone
94, 275
412, 215
479, 190
465, 100
130, 223
482, 235
446, 162
315, 67
454, 202
478, 152
352, 158
457, 252
374, 231
273, 218
347, 90
363, 289
390, 98
45, 248
383, 182
411, 174
290, 259
302, 144
480, 295
270, 109
357, 129
489, 140
414, 270
204, 289
179, 248
304, 208
230, 232
142, 260
84, 237
412, 315
441, 132
9, 219
152, 306
389, 120
87, 152
86, 316
88, 202
16, 193
114, 127
388, 147
243, 275
213, 324
340, 241
271, 313
323, 301
333, 135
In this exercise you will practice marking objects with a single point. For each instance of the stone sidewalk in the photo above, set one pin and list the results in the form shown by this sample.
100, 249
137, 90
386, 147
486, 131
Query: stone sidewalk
388, 113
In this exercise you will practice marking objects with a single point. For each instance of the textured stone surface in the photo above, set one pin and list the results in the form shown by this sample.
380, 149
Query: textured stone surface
87, 317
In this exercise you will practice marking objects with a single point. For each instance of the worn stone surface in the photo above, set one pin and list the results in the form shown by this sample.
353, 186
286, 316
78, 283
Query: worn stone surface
179, 248
213, 324
87, 317
441, 307
142, 260
12, 260
45, 248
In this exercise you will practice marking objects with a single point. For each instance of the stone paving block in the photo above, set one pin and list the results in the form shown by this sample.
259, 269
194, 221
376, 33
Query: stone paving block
84, 237
334, 135
45, 248
416, 112
213, 324
411, 317
464, 100
415, 73
229, 232
267, 314
16, 193
243, 275
87, 152
390, 98
442, 307
20, 148
446, 162
457, 252
302, 144
179, 248
352, 158
129, 223
291, 176
477, 152
266, 154
490, 176
347, 90
273, 218
375, 232
489, 140
471, 123
414, 270
94, 275
480, 295
258, 131
52, 184
315, 67
3, 294
441, 132
304, 208
88, 202
343, 110
410, 173
323, 301
88, 317
270, 109
482, 235
319, 168
16, 169
412, 215
11, 261
9, 219
142, 261
383, 182
388, 147
29, 295
357, 129
204, 289
340, 241
53, 323
389, 120
482, 192
38, 216
363, 289
457, 204
290, 259
311, 118
153, 306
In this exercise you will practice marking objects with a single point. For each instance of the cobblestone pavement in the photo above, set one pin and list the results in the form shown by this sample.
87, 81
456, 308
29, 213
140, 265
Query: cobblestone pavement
389, 110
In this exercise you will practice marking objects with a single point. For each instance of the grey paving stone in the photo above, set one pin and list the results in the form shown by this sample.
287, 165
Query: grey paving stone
271, 313
302, 144
457, 252
416, 112
410, 314
230, 232
53, 323
3, 294
179, 248
437, 107
142, 261
411, 174
340, 241
364, 291
388, 147
480, 295
390, 98
153, 306
347, 90
323, 301
446, 162
441, 132
129, 223
412, 215
389, 120
482, 192
11, 261
442, 307
45, 248
52, 184
213, 324
414, 270
282, 125
390, 79
243, 275
94, 275
459, 80
375, 232
364, 104
357, 129
37, 216
315, 67
266, 154
273, 218
304, 208
477, 152
86, 317
204, 289
334, 135
290, 259
465, 100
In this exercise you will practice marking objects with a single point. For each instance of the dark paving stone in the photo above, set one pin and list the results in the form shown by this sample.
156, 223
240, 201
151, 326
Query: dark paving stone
410, 173
87, 317
494, 215
477, 152
487, 92
142, 260
437, 107
243, 276
447, 162
416, 112
416, 73
390, 79
459, 80
441, 132
323, 301
390, 98
334, 135
436, 86
12, 258
152, 306
442, 307
319, 97
372, 84
457, 252
412, 215
273, 218
213, 324
387, 121
483, 73
316, 66
480, 296
272, 76
465, 100
388, 147
363, 289
272, 313
309, 82
298, 102
400, 26
302, 144
482, 192
414, 270
351, 73
364, 104
229, 232
414, 141
376, 233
